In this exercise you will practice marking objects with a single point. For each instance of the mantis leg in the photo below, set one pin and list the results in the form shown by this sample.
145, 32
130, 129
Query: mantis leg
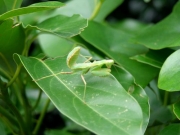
84, 87
52, 75
88, 59
66, 72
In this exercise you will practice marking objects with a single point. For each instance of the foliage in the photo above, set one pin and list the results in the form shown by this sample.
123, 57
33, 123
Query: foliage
140, 96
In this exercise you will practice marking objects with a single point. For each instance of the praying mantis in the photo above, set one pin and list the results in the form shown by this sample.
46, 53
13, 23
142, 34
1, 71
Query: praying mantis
95, 67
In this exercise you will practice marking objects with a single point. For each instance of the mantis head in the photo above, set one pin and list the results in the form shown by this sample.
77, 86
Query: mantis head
109, 63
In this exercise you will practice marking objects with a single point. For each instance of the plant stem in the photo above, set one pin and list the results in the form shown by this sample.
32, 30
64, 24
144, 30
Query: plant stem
27, 108
9, 125
8, 116
35, 132
37, 101
7, 63
7, 101
96, 10
18, 116
18, 69
4, 73
166, 95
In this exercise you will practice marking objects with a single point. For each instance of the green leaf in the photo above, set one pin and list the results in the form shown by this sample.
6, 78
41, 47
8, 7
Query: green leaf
30, 9
63, 26
12, 39
154, 58
107, 108
170, 73
176, 109
172, 129
127, 81
147, 60
52, 45
107, 7
115, 44
163, 34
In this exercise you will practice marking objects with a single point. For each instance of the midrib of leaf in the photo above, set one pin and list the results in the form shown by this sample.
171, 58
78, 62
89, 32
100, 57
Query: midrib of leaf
78, 97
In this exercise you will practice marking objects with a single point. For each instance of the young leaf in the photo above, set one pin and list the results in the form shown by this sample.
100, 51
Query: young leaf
107, 108
170, 73
30, 9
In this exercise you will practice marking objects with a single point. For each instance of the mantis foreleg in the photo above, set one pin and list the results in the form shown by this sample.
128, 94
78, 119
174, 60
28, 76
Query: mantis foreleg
84, 87
88, 59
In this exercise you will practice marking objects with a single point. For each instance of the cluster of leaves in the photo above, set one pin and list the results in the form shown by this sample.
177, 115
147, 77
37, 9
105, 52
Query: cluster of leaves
140, 97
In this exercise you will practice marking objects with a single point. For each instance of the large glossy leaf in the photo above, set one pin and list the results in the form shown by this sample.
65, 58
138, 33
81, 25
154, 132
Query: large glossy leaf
107, 7
62, 25
116, 45
12, 40
163, 34
173, 129
107, 109
30, 9
170, 73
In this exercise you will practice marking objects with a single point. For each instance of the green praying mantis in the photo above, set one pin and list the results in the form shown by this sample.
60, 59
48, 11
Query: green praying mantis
95, 67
